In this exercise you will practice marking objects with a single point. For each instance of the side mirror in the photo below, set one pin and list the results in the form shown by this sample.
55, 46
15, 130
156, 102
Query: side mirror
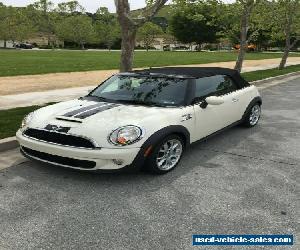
214, 100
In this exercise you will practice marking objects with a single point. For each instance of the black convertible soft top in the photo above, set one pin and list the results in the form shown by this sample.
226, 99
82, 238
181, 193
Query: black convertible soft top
196, 72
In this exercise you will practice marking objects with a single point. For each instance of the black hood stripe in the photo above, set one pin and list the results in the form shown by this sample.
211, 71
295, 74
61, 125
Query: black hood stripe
95, 111
80, 110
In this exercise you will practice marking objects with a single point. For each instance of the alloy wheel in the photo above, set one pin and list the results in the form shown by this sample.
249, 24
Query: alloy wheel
254, 115
169, 154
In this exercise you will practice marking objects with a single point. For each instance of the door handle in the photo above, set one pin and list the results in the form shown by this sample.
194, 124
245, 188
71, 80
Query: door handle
235, 100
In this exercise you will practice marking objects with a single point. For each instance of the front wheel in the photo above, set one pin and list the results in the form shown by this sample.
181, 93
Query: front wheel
166, 155
253, 116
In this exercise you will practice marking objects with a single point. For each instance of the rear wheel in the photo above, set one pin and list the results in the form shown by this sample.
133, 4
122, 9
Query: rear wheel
166, 155
253, 116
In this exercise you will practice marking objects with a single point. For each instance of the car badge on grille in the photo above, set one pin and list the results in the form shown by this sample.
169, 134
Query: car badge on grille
56, 128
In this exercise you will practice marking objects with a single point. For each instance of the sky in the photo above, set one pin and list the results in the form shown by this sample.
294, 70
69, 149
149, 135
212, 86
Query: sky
90, 6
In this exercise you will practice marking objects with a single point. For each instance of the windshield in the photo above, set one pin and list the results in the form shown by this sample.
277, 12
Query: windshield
145, 90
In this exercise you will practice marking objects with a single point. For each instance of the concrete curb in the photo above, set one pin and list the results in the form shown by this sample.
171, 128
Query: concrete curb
269, 79
11, 142
8, 143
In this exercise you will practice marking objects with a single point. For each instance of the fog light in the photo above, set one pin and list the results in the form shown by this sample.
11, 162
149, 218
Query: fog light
118, 161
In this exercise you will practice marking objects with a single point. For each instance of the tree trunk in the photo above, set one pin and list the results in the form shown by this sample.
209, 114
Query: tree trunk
287, 48
129, 28
243, 38
127, 46
199, 47
82, 46
240, 59
4, 44
285, 53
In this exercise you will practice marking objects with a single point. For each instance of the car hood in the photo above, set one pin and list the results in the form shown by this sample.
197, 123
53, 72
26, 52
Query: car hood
96, 120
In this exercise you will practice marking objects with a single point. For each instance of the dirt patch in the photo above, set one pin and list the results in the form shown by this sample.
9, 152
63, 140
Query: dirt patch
34, 83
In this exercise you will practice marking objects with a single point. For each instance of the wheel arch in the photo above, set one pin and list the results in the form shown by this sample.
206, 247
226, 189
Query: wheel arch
166, 131
250, 105
155, 138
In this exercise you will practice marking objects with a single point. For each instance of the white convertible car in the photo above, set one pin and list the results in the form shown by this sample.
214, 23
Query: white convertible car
144, 118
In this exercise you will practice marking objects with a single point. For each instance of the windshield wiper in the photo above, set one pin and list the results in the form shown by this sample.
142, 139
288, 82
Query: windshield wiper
140, 102
101, 98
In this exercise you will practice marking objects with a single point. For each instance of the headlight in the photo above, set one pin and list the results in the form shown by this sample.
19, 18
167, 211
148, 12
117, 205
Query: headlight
26, 120
125, 135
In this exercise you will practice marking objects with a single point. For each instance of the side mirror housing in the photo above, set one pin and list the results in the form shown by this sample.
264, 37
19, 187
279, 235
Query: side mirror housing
214, 100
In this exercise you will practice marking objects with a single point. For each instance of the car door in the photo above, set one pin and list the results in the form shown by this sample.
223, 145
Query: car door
230, 109
211, 118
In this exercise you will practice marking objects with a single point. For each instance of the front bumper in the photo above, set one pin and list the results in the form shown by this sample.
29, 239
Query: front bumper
102, 159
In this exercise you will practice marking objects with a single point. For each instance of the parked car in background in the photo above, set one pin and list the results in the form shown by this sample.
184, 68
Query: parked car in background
250, 47
166, 48
144, 118
24, 46
181, 47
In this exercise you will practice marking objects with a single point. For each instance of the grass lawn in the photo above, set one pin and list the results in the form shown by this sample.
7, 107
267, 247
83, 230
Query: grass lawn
16, 62
10, 120
262, 74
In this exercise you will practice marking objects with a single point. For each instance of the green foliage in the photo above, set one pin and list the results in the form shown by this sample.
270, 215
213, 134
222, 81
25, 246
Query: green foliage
70, 7
286, 19
78, 29
15, 23
106, 27
148, 32
195, 22
44, 15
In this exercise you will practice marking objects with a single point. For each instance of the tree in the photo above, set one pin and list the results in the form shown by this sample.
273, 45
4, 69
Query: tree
78, 29
195, 22
25, 27
246, 9
70, 7
286, 25
15, 24
107, 34
129, 26
106, 27
4, 31
45, 17
147, 33
169, 38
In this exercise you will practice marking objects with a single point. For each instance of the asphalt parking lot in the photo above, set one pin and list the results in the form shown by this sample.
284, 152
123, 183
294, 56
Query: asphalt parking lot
242, 181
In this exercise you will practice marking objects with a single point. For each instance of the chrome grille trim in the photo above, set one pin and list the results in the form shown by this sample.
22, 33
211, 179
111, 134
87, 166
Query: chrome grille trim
96, 146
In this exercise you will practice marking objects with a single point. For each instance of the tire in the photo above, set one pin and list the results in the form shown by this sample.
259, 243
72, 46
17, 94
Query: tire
160, 160
252, 116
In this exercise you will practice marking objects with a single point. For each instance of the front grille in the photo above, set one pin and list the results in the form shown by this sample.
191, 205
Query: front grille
66, 161
59, 138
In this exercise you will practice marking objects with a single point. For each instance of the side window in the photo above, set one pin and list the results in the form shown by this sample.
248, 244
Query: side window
214, 85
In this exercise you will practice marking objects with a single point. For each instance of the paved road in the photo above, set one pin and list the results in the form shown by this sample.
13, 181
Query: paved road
240, 181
